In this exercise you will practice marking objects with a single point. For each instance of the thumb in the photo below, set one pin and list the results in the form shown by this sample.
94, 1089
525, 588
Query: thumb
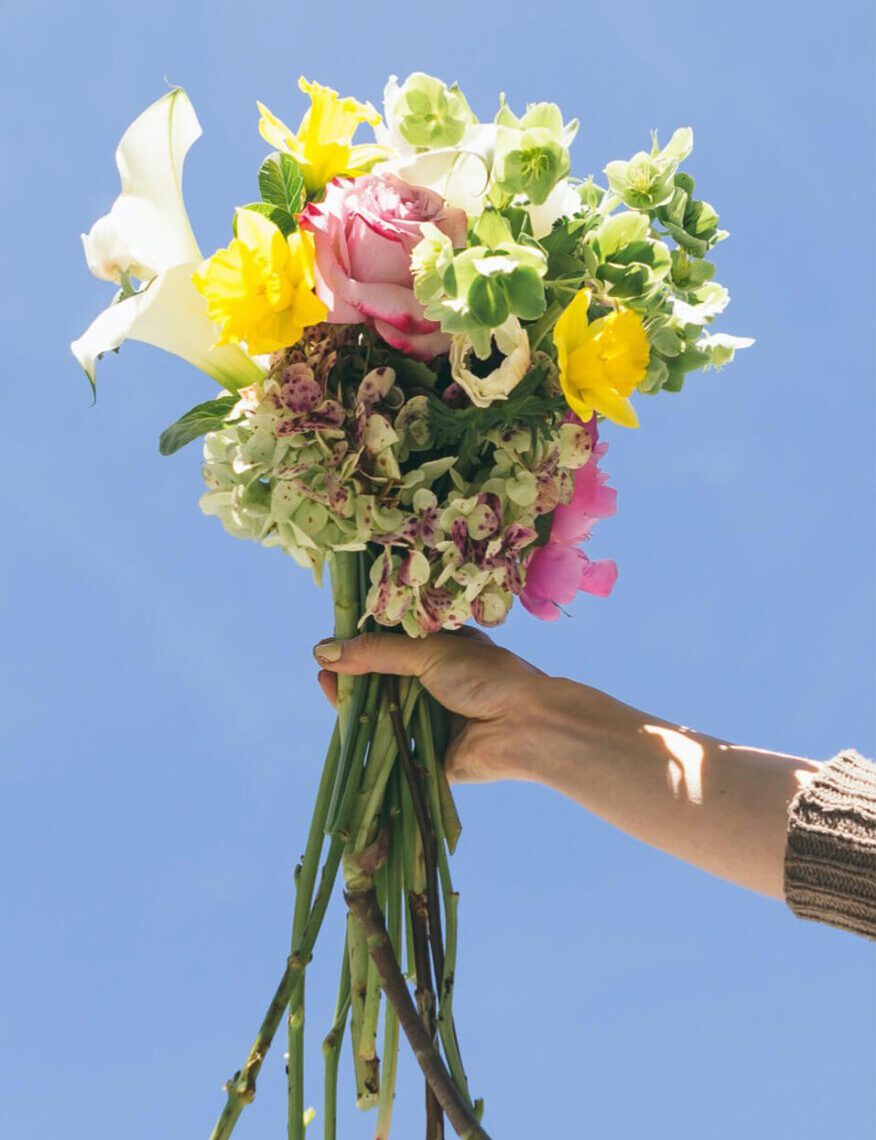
384, 653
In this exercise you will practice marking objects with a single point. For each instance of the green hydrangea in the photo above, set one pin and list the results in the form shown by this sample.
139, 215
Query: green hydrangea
314, 465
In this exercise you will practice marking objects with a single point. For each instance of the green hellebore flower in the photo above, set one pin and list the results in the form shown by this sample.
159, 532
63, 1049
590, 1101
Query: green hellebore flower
426, 112
648, 180
532, 151
529, 162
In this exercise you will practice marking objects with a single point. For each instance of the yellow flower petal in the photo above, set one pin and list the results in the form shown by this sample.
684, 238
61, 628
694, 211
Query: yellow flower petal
322, 145
576, 402
601, 363
260, 289
571, 328
613, 407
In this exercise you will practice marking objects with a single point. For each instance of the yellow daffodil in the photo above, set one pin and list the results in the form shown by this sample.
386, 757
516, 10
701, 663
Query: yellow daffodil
602, 362
260, 289
323, 145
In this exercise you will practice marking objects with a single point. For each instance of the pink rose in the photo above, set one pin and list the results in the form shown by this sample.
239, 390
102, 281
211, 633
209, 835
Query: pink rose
556, 571
364, 231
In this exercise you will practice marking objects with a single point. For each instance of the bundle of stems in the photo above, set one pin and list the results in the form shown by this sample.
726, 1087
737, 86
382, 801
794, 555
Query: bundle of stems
384, 814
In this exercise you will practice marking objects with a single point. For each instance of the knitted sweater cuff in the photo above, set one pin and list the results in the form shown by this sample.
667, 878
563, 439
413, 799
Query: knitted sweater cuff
830, 857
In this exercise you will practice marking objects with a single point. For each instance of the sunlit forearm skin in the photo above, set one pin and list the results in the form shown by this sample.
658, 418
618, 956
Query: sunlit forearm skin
719, 806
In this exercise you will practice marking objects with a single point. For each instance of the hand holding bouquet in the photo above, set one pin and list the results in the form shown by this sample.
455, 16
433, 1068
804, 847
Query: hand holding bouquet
418, 339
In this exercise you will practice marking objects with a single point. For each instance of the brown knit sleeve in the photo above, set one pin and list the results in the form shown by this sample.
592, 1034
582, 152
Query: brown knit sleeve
830, 857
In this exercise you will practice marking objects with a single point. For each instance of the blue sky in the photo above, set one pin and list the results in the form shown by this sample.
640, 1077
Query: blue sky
161, 733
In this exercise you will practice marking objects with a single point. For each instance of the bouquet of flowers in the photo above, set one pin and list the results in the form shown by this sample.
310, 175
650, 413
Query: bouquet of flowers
417, 340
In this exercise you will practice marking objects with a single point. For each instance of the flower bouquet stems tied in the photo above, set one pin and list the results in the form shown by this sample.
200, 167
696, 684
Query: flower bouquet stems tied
418, 340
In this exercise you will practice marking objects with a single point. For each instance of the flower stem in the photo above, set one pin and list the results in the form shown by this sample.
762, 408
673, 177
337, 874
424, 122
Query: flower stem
305, 879
539, 329
393, 911
331, 1051
344, 569
367, 1080
414, 777
241, 1088
446, 1027
364, 906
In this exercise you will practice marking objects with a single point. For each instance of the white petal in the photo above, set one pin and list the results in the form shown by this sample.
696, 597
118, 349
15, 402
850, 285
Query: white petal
170, 314
148, 220
563, 201
724, 340
512, 341
460, 174
107, 254
713, 299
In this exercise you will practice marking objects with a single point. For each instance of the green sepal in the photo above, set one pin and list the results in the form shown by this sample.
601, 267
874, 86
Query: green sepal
196, 422
525, 292
491, 229
488, 301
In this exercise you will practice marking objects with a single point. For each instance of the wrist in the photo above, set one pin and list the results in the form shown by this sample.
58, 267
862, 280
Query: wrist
573, 731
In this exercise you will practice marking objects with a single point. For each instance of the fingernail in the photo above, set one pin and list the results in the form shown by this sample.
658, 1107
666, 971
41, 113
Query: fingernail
328, 651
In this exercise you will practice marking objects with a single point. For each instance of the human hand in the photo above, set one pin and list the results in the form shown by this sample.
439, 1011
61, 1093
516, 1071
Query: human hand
492, 693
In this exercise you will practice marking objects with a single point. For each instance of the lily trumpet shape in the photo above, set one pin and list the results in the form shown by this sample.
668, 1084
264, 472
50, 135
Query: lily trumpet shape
147, 235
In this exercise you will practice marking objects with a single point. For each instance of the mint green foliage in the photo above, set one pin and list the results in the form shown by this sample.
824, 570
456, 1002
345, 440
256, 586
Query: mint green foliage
281, 185
428, 113
532, 151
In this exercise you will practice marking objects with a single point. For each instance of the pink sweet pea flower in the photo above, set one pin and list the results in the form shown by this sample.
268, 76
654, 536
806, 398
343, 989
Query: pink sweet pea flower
556, 571
591, 500
364, 232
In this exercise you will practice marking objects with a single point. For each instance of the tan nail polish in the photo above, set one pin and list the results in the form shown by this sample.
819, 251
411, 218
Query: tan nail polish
328, 652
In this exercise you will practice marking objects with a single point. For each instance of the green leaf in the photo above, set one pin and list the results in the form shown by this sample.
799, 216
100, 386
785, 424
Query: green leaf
519, 221
667, 342
656, 376
283, 220
281, 182
675, 380
694, 245
412, 373
196, 422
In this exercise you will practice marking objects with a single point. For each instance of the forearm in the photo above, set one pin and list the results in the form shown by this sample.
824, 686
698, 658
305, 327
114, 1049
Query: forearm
716, 805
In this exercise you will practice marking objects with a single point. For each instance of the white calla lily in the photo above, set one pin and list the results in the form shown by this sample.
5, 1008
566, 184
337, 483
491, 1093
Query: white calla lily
147, 235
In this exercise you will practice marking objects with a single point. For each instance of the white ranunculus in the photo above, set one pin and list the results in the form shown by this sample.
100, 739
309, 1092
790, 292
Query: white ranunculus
512, 341
147, 235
